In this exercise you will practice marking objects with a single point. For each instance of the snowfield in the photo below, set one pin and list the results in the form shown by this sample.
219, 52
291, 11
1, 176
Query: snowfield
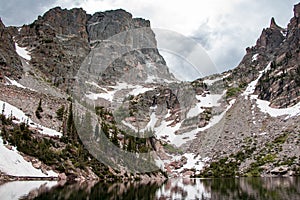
251, 87
10, 110
13, 82
264, 105
12, 163
109, 94
167, 133
276, 112
22, 51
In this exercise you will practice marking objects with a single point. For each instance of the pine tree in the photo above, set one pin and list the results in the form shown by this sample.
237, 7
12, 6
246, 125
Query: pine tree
39, 110
71, 129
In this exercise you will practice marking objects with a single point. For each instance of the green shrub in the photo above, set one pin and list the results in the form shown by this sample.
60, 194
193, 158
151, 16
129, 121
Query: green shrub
233, 91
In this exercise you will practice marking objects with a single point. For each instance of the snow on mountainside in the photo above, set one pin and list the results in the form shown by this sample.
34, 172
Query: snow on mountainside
12, 163
23, 52
19, 116
264, 105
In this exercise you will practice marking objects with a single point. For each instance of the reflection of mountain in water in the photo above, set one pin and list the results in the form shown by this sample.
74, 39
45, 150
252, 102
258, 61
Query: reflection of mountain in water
242, 188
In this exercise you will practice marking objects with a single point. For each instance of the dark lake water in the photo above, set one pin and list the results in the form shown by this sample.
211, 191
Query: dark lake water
214, 189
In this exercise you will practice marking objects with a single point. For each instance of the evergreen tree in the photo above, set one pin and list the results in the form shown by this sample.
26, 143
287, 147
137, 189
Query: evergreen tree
97, 131
39, 110
71, 129
60, 113
114, 139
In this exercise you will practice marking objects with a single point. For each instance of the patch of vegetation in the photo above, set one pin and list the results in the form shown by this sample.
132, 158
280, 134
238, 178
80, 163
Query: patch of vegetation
228, 166
232, 92
60, 113
281, 139
171, 149
268, 155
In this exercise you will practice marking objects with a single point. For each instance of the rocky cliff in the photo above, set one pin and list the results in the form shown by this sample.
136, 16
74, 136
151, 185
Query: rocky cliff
10, 63
278, 46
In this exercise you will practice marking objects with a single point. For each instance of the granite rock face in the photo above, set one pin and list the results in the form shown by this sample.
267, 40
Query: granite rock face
10, 63
61, 40
103, 25
281, 85
58, 43
279, 47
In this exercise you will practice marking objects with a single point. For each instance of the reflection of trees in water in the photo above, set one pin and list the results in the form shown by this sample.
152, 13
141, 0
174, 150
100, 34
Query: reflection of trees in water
254, 188
101, 190
205, 189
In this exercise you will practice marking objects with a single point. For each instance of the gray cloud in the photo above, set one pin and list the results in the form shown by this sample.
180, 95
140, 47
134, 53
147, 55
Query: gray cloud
184, 56
19, 12
226, 40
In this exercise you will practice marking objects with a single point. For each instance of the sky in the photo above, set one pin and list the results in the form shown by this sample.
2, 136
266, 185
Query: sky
222, 28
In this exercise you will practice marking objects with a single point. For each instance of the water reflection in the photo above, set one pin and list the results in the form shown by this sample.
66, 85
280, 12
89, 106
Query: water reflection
205, 189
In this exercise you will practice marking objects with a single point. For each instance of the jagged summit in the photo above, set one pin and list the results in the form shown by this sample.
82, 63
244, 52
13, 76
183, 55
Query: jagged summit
297, 10
273, 25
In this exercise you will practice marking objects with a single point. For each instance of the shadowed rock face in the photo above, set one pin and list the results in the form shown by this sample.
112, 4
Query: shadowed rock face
103, 25
278, 46
10, 64
281, 84
61, 39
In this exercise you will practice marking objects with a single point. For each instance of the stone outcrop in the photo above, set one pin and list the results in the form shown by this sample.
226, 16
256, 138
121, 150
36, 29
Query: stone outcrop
58, 43
281, 85
10, 63
280, 47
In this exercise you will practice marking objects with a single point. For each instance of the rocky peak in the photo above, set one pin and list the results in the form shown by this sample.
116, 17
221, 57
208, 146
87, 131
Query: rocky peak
67, 22
297, 10
270, 37
273, 25
102, 25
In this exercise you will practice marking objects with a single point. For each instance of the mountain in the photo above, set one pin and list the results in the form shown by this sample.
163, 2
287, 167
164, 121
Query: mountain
93, 92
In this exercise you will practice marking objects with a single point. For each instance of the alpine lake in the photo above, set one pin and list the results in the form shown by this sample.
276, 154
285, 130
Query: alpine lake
206, 189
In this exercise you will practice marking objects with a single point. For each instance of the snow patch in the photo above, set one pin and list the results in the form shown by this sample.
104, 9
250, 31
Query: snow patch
167, 133
210, 82
13, 82
12, 111
139, 90
178, 140
109, 94
195, 111
193, 162
12, 163
254, 57
276, 112
22, 51
209, 100
251, 87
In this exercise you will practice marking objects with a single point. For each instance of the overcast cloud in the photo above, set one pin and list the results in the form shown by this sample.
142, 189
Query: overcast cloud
223, 28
